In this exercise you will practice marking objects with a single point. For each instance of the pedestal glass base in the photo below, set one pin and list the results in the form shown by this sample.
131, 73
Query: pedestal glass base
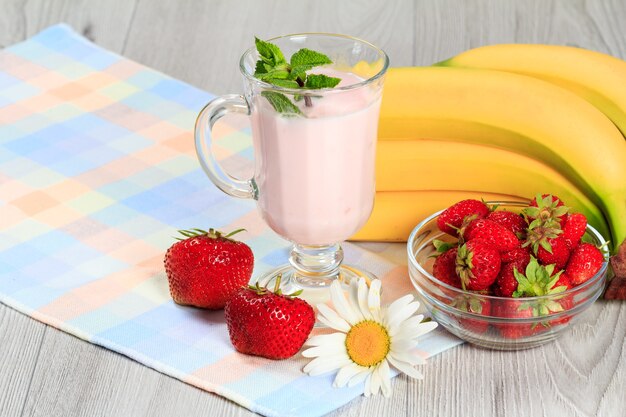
312, 268
314, 290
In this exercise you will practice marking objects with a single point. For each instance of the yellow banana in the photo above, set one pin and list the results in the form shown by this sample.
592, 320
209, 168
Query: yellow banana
515, 112
598, 78
425, 164
396, 213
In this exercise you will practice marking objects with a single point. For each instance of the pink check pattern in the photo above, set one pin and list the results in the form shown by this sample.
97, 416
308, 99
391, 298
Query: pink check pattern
97, 172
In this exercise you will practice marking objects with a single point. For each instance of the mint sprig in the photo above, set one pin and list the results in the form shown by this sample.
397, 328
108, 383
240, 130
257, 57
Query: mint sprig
281, 103
273, 68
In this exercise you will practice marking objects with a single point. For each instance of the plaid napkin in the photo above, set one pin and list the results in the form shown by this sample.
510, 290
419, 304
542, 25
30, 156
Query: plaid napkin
97, 172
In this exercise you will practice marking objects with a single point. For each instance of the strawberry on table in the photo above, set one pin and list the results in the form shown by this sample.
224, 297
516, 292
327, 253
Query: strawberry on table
268, 324
206, 268
585, 261
493, 233
452, 219
477, 264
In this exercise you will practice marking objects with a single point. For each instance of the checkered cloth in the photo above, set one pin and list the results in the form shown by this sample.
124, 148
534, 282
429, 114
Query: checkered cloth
97, 172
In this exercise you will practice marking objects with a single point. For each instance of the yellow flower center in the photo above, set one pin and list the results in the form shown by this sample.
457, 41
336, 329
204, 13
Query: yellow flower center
367, 343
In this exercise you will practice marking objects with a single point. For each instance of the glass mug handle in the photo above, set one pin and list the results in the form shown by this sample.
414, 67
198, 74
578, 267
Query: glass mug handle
210, 114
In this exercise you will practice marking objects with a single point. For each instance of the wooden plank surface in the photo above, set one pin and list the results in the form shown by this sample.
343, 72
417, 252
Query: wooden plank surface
44, 372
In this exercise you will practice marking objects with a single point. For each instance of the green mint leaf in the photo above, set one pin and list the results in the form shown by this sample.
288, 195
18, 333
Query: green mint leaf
308, 58
274, 74
281, 103
259, 68
270, 53
285, 83
316, 81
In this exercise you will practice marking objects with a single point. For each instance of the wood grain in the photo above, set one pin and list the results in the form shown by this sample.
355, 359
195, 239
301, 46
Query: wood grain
44, 372
20, 344
107, 21
203, 44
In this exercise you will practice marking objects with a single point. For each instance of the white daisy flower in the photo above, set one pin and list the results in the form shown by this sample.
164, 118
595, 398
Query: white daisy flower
370, 339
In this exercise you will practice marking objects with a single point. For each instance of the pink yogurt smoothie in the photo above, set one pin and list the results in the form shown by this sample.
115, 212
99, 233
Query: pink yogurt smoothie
315, 174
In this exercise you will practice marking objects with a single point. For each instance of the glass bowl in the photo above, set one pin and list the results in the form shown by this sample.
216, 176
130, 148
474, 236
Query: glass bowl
497, 322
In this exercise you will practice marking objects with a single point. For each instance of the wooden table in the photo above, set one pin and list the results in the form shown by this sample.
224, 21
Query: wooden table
49, 373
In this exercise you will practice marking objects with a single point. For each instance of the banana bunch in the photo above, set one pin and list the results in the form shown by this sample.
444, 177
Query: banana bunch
596, 77
449, 133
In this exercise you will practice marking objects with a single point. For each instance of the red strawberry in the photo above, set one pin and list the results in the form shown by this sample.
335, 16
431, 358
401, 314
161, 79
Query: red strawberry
563, 281
474, 305
268, 324
506, 283
493, 233
517, 254
452, 218
444, 268
548, 209
585, 261
513, 309
574, 229
207, 268
538, 280
512, 221
565, 301
555, 252
477, 264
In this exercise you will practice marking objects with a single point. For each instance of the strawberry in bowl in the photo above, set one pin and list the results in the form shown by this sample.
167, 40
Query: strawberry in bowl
511, 278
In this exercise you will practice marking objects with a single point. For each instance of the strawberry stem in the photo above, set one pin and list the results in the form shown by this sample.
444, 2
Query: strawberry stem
212, 233
277, 284
234, 232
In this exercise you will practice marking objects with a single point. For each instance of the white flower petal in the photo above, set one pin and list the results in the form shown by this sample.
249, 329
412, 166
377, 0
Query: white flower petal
324, 364
411, 358
354, 300
399, 345
408, 326
405, 368
324, 350
385, 378
363, 294
373, 299
414, 333
402, 314
320, 339
375, 381
329, 317
399, 304
360, 377
424, 328
346, 373
343, 307
368, 385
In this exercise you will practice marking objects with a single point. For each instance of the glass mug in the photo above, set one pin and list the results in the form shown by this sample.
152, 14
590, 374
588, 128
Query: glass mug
314, 172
